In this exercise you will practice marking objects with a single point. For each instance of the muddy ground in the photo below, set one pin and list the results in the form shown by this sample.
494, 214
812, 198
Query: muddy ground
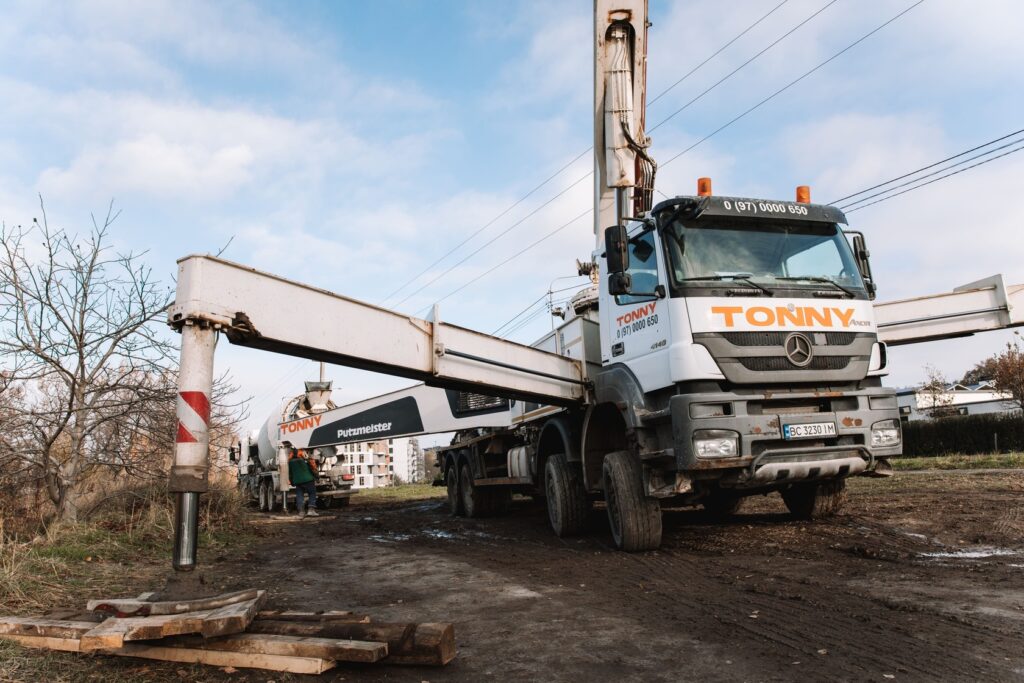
920, 578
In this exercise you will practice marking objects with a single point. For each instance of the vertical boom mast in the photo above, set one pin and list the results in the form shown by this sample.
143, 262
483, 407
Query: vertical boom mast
623, 173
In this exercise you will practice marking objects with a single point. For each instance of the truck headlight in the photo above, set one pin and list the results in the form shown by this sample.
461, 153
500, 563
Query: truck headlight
716, 443
885, 433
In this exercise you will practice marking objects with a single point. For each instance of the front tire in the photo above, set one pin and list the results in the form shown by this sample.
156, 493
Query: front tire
634, 518
567, 502
815, 501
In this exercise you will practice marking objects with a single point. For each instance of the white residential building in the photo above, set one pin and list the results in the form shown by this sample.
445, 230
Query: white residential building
383, 462
958, 399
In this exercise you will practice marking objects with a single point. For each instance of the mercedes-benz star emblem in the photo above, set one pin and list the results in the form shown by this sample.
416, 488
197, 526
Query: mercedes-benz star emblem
798, 349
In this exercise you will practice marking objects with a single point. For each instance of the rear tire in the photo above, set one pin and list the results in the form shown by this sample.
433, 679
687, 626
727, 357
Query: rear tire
817, 500
568, 507
454, 495
634, 518
472, 503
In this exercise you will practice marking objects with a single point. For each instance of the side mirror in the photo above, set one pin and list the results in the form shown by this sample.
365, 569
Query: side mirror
619, 283
862, 256
233, 454
616, 245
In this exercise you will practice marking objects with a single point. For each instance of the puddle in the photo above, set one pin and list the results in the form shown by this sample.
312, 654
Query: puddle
970, 554
389, 538
438, 533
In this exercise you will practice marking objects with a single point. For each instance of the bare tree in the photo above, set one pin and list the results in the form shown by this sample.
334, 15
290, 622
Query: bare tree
1008, 374
935, 392
82, 336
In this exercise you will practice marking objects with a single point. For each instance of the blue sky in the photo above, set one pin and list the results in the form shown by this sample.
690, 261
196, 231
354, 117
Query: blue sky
349, 144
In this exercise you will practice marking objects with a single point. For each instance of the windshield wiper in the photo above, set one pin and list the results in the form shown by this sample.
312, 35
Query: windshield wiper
737, 277
824, 280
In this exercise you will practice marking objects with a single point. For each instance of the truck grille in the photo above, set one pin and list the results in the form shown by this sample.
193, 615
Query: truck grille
782, 364
779, 338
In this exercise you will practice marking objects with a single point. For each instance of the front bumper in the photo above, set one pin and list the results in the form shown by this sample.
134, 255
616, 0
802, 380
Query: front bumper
764, 456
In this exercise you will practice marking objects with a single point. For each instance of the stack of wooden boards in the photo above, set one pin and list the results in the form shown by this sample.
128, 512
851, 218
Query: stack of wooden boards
232, 630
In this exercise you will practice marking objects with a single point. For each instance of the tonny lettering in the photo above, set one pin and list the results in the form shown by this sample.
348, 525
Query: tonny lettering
300, 425
636, 314
785, 316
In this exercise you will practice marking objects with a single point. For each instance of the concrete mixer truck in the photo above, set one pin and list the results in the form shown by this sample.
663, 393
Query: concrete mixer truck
262, 458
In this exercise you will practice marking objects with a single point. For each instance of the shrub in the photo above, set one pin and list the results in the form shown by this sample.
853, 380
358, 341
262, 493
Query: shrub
966, 434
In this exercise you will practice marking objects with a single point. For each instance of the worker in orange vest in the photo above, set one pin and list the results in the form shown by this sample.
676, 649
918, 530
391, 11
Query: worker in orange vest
302, 474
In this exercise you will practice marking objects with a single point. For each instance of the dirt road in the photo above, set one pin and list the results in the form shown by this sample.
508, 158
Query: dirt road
921, 578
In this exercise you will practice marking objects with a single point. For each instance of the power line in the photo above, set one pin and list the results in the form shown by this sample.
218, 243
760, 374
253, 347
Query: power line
925, 168
790, 84
536, 301
519, 253
581, 154
935, 180
495, 238
715, 53
927, 175
712, 134
487, 224
741, 67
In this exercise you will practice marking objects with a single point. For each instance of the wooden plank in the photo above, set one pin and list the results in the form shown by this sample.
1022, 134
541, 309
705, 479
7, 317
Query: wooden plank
329, 615
292, 646
44, 627
142, 607
239, 660
233, 618
114, 632
44, 642
412, 644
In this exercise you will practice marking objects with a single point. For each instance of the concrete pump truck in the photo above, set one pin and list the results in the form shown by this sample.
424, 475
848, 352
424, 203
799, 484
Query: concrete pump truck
728, 347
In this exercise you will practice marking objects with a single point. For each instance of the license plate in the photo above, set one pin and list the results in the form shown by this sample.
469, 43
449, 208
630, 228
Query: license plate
809, 431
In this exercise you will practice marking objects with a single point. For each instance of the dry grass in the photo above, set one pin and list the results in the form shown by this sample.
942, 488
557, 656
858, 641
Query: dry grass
120, 550
961, 462
404, 492
123, 549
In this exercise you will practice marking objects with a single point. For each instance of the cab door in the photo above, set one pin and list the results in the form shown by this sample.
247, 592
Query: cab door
638, 324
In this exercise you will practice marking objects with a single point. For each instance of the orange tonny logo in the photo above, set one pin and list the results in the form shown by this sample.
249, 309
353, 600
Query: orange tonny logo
785, 316
636, 314
299, 425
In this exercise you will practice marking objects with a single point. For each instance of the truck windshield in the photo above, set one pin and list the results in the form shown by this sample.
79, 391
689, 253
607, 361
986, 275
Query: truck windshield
773, 254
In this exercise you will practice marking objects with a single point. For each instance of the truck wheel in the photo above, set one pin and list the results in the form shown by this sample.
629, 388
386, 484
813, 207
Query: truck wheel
568, 506
815, 501
723, 503
474, 503
261, 494
451, 481
273, 498
634, 518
